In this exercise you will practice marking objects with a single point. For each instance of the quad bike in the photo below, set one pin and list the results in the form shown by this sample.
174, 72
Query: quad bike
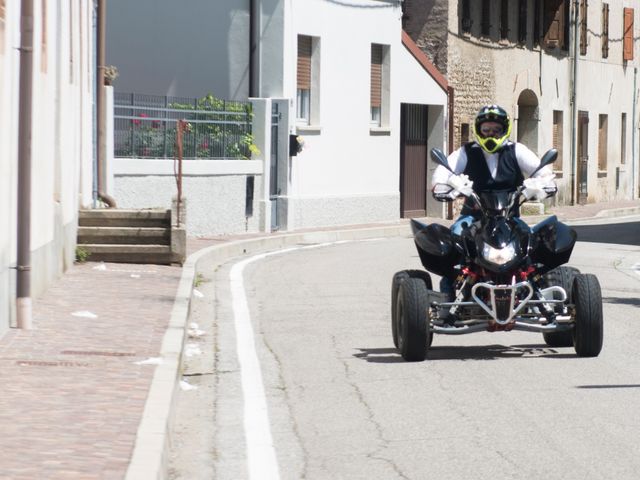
506, 276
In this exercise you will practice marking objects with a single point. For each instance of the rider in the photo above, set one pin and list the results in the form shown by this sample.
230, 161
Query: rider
490, 163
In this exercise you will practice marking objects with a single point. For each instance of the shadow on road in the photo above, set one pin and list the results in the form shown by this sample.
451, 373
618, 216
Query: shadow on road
619, 233
481, 352
622, 301
599, 387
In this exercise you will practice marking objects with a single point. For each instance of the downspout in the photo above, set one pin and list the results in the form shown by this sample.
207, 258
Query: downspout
101, 112
633, 134
25, 117
255, 19
574, 108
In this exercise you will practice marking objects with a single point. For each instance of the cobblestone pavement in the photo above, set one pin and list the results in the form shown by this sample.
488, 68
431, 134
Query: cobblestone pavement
73, 395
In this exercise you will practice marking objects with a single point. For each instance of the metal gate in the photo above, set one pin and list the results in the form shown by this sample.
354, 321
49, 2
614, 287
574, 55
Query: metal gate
413, 160
583, 156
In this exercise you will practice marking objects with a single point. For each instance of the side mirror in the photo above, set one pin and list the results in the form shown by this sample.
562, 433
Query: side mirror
440, 158
548, 158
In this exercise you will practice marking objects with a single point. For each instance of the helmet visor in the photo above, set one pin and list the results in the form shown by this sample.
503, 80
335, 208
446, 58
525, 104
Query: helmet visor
491, 129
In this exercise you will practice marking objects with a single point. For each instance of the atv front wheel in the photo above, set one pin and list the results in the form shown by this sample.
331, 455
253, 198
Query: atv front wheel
412, 320
588, 329
398, 278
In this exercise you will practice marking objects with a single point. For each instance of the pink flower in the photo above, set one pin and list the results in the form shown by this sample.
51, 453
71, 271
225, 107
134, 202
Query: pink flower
155, 123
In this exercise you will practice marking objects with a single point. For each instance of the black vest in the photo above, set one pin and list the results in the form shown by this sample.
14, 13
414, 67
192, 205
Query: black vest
508, 174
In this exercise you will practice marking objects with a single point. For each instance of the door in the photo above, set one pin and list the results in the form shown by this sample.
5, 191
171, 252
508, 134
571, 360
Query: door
583, 156
413, 160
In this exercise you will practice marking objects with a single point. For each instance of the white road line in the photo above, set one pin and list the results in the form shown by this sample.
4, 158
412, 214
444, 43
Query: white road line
636, 268
261, 455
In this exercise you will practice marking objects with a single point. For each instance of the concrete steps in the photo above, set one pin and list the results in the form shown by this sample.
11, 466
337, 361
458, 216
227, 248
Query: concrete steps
130, 236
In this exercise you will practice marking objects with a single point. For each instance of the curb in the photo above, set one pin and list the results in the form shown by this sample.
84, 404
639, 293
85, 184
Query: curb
149, 459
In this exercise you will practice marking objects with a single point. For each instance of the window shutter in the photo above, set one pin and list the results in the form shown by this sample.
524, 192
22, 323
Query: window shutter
376, 75
304, 62
605, 30
554, 23
627, 48
485, 26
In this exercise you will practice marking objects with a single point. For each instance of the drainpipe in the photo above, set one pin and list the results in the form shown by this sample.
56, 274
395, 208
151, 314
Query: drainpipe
255, 19
633, 135
23, 267
574, 108
101, 112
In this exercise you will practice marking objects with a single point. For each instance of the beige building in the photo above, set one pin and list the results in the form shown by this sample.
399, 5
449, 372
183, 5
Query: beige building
526, 56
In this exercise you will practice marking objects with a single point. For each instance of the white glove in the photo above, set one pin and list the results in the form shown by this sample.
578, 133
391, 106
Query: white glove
461, 185
534, 188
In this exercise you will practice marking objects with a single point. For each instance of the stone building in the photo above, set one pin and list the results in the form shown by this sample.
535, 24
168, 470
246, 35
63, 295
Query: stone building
570, 88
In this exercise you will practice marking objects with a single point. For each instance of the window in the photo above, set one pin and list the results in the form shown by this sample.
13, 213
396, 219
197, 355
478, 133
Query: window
522, 21
554, 24
558, 139
43, 38
583, 27
602, 142
623, 139
485, 24
465, 17
627, 40
303, 96
464, 133
376, 84
536, 22
605, 30
379, 102
504, 19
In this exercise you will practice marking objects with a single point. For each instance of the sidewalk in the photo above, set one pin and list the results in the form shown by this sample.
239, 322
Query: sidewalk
75, 403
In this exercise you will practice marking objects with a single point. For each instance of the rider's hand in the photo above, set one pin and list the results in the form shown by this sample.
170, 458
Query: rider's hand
534, 189
460, 184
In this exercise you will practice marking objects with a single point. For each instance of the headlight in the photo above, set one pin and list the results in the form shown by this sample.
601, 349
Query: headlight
499, 256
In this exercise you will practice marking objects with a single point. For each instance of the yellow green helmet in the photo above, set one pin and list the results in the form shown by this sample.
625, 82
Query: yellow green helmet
490, 137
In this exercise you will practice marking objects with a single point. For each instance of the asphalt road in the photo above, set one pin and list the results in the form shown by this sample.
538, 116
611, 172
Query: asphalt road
342, 404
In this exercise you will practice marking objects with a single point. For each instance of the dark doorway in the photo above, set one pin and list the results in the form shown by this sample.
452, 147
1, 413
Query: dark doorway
413, 160
583, 156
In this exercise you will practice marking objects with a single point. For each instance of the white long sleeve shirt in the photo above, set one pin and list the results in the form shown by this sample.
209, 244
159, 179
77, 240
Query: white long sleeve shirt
527, 161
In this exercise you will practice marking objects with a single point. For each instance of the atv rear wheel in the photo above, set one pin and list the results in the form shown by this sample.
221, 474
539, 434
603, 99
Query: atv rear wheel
588, 329
562, 277
412, 319
398, 278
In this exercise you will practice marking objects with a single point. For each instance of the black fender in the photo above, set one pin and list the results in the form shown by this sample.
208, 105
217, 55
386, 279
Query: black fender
553, 243
436, 247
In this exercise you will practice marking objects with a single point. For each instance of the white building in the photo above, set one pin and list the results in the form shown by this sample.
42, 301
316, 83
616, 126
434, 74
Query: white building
61, 144
341, 74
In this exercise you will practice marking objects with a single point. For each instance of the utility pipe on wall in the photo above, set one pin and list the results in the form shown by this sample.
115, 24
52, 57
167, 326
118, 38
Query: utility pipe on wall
25, 117
255, 20
574, 107
101, 112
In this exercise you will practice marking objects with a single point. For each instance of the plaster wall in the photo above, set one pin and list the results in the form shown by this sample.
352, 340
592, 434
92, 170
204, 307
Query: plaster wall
61, 137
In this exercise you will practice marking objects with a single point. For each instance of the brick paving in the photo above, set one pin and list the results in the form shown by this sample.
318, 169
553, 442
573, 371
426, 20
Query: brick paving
72, 395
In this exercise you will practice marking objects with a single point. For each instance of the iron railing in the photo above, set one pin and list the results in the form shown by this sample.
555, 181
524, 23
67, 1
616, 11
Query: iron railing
145, 127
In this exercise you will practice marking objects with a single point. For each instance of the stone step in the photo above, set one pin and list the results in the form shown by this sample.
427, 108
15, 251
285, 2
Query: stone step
124, 235
126, 253
120, 217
